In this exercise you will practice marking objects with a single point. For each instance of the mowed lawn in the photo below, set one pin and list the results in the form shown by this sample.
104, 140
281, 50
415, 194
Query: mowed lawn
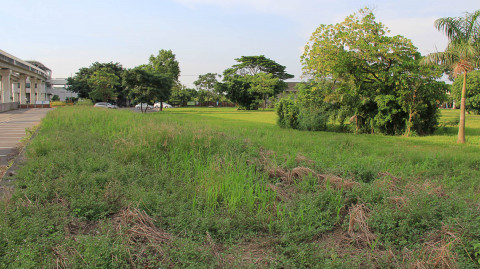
220, 188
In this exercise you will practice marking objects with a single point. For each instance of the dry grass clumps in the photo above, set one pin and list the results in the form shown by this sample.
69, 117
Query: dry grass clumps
387, 181
302, 159
358, 227
438, 252
142, 233
339, 183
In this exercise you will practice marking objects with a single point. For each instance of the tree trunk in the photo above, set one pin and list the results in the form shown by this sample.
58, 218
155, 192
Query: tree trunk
461, 125
264, 101
161, 105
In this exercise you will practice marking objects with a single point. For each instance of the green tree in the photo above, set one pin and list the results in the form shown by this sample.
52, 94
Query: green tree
472, 91
367, 69
462, 54
164, 63
147, 87
181, 94
238, 80
103, 85
264, 84
79, 82
206, 81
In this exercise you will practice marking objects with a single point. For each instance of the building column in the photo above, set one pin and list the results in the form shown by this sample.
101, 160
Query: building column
23, 93
41, 90
14, 96
33, 91
6, 85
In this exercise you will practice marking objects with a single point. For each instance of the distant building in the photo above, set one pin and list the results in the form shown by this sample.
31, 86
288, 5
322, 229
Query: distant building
28, 82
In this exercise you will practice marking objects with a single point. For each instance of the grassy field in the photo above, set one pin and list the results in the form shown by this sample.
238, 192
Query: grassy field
221, 188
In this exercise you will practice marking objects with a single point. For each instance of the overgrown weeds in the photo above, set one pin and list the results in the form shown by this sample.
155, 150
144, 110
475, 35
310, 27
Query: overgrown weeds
115, 189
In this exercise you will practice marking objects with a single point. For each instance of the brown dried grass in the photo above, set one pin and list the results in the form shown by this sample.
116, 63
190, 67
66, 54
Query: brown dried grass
438, 252
358, 227
339, 183
302, 159
142, 233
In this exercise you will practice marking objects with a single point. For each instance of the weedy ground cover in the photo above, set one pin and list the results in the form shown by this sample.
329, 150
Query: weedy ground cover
207, 188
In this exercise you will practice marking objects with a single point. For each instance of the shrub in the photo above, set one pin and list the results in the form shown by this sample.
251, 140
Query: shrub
57, 103
55, 98
287, 112
84, 102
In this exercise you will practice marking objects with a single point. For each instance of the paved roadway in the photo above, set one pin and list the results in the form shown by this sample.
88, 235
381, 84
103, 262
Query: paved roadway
12, 128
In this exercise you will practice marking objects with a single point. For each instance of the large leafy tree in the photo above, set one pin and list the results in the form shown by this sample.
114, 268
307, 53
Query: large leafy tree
369, 71
164, 63
472, 91
206, 82
462, 54
264, 84
103, 83
79, 83
146, 86
239, 85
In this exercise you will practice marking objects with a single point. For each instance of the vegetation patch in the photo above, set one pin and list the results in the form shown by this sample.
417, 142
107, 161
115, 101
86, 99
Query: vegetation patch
227, 189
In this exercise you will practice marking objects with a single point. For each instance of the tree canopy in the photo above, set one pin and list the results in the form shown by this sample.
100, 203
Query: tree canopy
80, 82
146, 86
374, 77
241, 80
472, 91
164, 63
103, 85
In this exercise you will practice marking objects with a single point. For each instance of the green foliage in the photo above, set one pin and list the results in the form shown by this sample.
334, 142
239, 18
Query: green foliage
472, 101
181, 95
147, 86
55, 98
103, 85
206, 82
375, 77
164, 63
287, 112
202, 182
252, 80
79, 83
84, 102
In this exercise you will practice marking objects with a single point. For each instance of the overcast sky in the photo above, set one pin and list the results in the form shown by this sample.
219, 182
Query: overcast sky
205, 35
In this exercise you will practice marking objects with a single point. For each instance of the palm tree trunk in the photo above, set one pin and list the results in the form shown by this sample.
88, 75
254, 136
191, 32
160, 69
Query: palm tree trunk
461, 125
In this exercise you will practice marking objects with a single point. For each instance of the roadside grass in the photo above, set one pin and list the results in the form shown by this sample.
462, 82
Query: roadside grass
222, 188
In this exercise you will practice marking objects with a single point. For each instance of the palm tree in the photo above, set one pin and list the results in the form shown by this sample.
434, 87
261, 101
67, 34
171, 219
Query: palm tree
462, 53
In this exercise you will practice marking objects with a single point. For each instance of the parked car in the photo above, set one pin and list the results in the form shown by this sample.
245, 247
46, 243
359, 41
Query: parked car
143, 106
165, 105
105, 105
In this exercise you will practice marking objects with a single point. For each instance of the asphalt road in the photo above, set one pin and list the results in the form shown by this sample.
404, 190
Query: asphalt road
12, 129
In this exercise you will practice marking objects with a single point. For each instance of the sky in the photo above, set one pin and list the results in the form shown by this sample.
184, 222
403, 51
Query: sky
205, 35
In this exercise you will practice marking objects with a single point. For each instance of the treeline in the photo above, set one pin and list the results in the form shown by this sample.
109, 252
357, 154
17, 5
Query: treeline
248, 84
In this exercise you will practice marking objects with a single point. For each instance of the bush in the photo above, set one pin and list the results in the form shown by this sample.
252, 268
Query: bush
287, 112
55, 98
84, 102
57, 103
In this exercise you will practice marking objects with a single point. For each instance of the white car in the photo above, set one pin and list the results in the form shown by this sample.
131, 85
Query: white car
105, 105
143, 106
165, 105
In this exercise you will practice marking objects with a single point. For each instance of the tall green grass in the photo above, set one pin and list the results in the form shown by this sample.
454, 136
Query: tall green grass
205, 177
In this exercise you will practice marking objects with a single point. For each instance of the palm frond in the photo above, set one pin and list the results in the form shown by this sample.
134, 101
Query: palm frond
452, 27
